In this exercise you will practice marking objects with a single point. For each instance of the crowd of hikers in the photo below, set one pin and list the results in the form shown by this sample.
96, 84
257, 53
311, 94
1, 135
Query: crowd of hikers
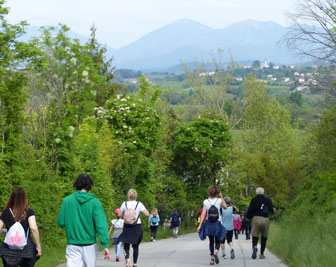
219, 219
83, 217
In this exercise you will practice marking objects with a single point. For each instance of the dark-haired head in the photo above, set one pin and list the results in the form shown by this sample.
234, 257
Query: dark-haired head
18, 203
83, 181
213, 190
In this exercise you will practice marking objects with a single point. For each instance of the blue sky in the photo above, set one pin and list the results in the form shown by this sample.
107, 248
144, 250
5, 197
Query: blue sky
120, 22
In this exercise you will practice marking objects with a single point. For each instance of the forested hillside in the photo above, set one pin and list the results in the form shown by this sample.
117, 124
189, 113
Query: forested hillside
62, 113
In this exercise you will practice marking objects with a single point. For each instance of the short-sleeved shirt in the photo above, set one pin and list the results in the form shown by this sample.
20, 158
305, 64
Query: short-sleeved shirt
8, 219
227, 218
131, 205
175, 220
118, 223
213, 201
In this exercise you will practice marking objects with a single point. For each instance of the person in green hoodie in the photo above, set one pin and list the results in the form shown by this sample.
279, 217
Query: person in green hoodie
83, 217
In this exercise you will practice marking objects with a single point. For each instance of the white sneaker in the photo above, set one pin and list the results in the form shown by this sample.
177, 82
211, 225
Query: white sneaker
154, 240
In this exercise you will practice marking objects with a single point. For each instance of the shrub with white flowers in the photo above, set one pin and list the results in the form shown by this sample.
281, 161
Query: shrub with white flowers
133, 122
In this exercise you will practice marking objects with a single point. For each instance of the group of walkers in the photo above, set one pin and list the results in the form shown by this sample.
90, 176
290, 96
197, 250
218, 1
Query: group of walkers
83, 217
219, 219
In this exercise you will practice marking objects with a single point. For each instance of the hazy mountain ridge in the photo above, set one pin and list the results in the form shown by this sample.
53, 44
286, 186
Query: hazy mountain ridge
185, 40
245, 40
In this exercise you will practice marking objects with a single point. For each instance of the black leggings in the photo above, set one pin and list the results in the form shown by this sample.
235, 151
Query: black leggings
135, 251
236, 232
154, 231
214, 243
262, 245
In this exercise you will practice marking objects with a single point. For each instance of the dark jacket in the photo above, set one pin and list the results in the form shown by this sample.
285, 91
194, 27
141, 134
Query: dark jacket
260, 206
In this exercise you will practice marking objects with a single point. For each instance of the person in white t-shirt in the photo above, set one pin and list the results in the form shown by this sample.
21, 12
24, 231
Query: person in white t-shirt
213, 227
117, 225
132, 233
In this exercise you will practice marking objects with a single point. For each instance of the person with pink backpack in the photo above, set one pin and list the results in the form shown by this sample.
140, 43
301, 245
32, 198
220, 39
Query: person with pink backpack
18, 247
132, 231
237, 222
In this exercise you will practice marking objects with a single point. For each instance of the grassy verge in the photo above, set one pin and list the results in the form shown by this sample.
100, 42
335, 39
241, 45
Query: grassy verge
51, 256
303, 244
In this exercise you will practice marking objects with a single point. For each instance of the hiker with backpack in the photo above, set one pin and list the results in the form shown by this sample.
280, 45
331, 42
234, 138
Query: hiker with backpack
228, 223
213, 227
18, 247
237, 223
83, 217
153, 223
117, 226
174, 223
259, 210
132, 231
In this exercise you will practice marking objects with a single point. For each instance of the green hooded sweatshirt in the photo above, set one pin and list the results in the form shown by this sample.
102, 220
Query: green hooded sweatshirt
83, 217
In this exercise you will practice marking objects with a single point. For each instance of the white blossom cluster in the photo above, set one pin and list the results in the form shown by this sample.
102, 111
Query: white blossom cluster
101, 112
71, 130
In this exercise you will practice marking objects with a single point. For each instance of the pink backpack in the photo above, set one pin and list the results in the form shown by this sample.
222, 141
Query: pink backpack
16, 237
130, 215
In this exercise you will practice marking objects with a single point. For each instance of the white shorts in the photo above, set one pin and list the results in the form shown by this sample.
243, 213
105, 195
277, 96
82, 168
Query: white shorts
78, 256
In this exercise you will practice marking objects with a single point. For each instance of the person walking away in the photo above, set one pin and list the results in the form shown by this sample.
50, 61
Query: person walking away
175, 222
117, 225
198, 216
153, 223
237, 222
246, 225
18, 216
132, 232
242, 225
83, 217
212, 227
259, 210
227, 221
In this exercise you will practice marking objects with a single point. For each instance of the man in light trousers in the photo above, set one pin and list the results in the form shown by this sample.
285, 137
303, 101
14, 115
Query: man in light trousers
83, 217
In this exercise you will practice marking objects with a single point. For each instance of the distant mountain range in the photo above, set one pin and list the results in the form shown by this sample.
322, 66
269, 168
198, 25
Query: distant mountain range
185, 40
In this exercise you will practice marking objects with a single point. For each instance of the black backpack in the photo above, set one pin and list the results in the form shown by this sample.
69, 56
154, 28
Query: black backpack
213, 214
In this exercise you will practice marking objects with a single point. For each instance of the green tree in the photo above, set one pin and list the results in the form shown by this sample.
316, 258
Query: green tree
209, 83
14, 60
266, 123
69, 81
323, 141
251, 170
200, 149
135, 124
104, 86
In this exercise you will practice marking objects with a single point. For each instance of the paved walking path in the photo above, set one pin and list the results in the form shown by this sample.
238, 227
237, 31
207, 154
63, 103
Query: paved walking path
189, 251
